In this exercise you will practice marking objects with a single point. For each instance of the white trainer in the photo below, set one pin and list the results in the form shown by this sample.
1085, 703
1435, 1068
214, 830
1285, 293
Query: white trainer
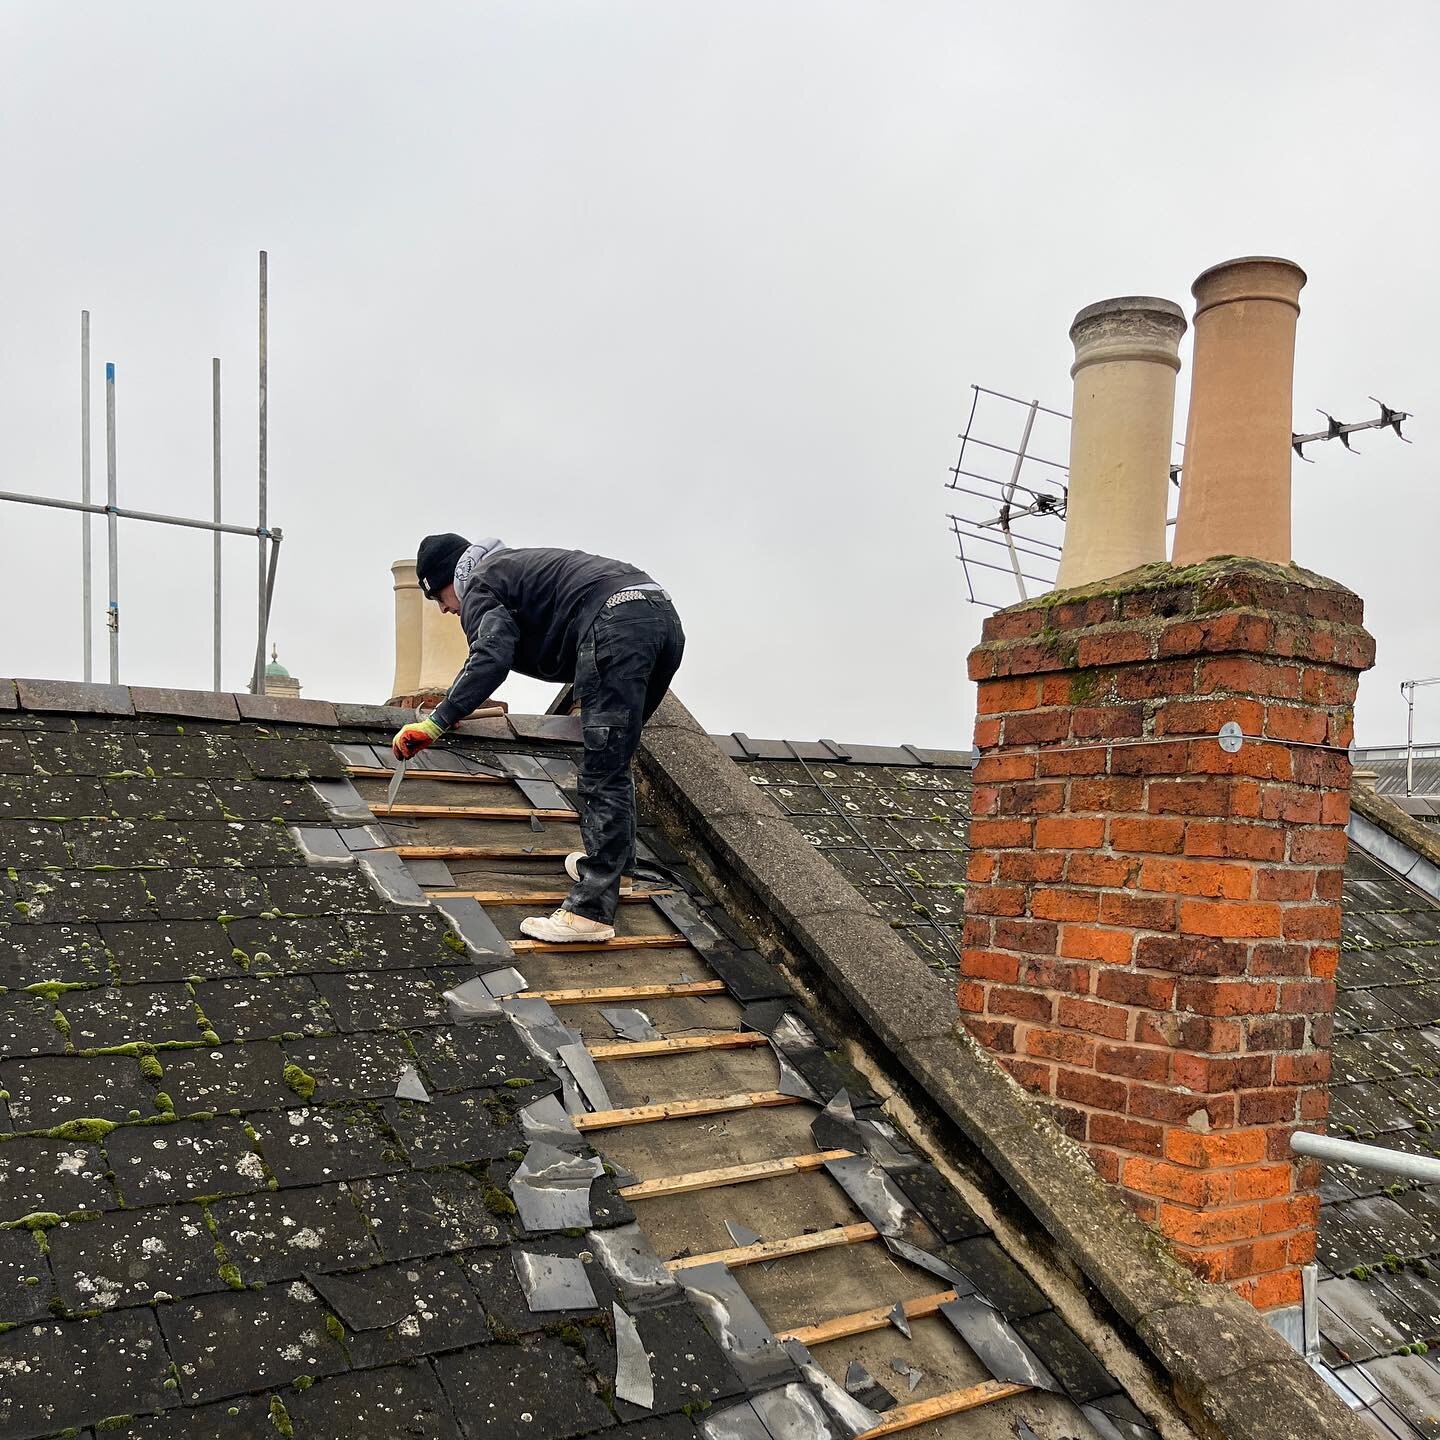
572, 869
565, 927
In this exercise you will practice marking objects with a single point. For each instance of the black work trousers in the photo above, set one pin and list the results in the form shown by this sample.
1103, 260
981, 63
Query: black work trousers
622, 670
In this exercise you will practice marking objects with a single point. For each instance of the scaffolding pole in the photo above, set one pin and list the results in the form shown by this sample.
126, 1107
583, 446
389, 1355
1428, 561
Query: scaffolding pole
263, 602
85, 628
215, 560
112, 609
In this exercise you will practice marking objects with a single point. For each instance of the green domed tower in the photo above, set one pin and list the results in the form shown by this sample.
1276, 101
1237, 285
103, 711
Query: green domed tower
279, 682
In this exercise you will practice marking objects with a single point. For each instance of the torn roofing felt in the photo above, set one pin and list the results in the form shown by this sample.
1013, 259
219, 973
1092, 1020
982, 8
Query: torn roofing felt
896, 828
221, 1190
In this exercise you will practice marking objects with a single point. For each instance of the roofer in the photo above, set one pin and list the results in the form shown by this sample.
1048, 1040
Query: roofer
561, 615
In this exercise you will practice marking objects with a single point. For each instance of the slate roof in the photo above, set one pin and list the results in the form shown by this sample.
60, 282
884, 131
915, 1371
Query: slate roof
1390, 767
1379, 1240
894, 821
217, 1219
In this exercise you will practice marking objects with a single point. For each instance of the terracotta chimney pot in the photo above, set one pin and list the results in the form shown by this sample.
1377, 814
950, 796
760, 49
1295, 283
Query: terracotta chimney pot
1235, 487
1123, 416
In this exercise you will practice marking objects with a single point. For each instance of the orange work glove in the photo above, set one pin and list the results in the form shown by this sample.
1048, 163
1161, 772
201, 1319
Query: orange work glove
412, 739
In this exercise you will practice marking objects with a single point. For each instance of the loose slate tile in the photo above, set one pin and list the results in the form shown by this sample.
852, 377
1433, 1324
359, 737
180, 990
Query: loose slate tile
58, 1176
367, 1299
552, 1282
33, 844
155, 1164
301, 891
160, 950
307, 1146
121, 1356
133, 1257
387, 942
687, 1366
227, 1077
352, 1067
492, 1274
137, 796
500, 1391
53, 1089
27, 1026
278, 1235
206, 894
417, 1215
263, 1005
939, 1203
453, 1129
607, 1208
1066, 1357
291, 946
411, 1087
469, 1057
50, 797
440, 1312
225, 1344
748, 975
997, 1277
120, 1014
401, 1402
382, 1000
76, 896
51, 955
26, 1286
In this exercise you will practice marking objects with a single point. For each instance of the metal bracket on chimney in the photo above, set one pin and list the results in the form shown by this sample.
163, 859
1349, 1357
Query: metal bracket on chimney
1231, 737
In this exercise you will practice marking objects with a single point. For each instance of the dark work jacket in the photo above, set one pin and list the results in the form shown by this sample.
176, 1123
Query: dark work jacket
528, 610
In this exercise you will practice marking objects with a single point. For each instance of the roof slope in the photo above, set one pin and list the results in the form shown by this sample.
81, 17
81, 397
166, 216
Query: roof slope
217, 1217
1379, 1241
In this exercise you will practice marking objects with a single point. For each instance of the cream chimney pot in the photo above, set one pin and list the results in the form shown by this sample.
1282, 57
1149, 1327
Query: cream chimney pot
408, 601
1235, 486
1121, 430
443, 649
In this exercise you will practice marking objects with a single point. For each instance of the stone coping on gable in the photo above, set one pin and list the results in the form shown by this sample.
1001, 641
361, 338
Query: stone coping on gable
1229, 1370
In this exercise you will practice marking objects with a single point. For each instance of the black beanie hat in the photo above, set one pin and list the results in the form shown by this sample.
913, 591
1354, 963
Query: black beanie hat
435, 561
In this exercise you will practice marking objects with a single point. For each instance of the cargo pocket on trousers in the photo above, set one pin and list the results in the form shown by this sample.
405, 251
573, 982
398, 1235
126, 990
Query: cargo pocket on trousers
601, 733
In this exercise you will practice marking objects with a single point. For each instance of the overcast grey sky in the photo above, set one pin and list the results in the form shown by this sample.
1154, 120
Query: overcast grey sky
699, 285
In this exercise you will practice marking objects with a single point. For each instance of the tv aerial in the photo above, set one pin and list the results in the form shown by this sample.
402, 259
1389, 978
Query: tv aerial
1010, 526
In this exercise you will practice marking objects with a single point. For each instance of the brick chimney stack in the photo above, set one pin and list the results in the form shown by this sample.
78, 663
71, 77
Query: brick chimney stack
1121, 431
1153, 918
